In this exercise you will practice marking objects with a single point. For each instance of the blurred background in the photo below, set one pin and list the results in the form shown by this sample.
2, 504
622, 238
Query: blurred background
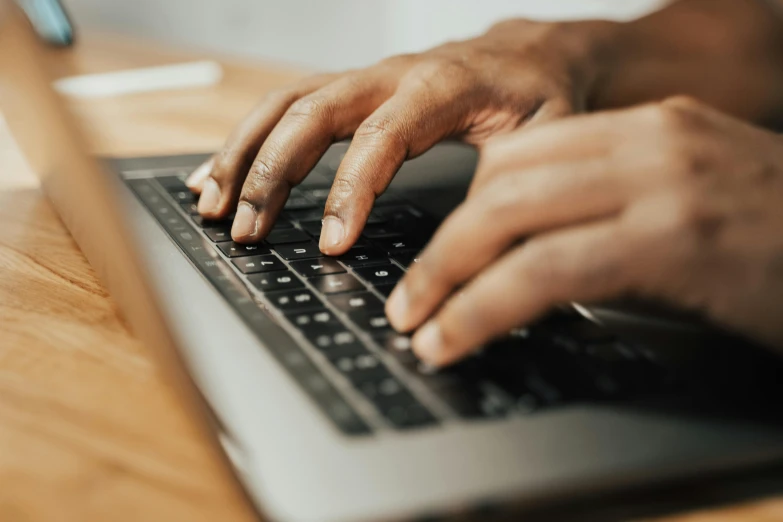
326, 35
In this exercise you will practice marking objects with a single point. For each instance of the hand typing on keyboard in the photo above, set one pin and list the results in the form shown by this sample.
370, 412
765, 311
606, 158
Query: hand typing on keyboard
519, 74
671, 201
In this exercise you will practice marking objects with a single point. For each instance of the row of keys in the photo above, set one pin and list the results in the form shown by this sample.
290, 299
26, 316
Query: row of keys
219, 274
371, 263
366, 372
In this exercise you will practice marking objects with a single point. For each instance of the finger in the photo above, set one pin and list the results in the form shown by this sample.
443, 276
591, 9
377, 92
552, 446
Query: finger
296, 144
510, 208
551, 110
405, 126
568, 140
585, 263
197, 178
221, 188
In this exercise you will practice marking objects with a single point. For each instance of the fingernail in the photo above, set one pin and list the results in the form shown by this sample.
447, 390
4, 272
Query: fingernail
428, 342
198, 176
210, 197
245, 222
397, 307
332, 233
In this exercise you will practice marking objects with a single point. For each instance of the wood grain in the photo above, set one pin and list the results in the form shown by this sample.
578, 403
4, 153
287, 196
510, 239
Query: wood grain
89, 430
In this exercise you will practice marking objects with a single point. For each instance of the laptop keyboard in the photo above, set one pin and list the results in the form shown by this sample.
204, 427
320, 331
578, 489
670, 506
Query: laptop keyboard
361, 373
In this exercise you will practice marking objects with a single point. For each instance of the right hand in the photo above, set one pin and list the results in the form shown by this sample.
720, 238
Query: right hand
519, 73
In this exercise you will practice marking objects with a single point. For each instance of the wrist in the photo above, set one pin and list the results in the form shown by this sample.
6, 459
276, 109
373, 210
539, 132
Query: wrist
591, 51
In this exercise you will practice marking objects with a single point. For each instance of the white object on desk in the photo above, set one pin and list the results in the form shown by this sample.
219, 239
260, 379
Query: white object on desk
159, 78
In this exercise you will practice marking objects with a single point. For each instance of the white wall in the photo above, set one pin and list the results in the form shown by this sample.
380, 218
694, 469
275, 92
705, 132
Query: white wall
326, 34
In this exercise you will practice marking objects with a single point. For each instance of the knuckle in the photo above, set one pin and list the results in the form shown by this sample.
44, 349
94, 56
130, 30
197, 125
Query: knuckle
693, 221
346, 186
262, 175
687, 162
222, 163
682, 126
312, 107
438, 70
680, 115
381, 129
683, 102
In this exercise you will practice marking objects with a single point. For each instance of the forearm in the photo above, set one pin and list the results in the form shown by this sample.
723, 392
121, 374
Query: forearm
728, 53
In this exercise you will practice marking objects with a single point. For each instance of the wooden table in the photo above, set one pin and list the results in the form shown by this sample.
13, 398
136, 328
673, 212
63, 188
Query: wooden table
89, 430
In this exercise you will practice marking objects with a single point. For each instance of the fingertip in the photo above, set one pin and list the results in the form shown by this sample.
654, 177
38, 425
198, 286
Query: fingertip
428, 344
397, 307
209, 202
245, 226
332, 241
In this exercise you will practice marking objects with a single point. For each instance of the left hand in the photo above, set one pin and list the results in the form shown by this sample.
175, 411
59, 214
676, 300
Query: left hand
672, 201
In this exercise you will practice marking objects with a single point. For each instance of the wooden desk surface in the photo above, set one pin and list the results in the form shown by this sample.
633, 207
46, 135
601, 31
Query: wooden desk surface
88, 429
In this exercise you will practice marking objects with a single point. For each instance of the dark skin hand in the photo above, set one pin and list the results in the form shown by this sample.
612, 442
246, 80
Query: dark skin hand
672, 201
519, 74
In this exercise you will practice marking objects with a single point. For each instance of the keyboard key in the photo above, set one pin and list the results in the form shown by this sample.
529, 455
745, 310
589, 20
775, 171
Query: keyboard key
336, 283
411, 415
469, 402
290, 235
298, 203
392, 341
282, 224
399, 346
172, 183
212, 223
370, 321
232, 249
398, 213
294, 300
317, 267
375, 219
315, 214
363, 256
387, 198
359, 367
190, 208
319, 194
312, 227
218, 234
383, 390
356, 301
293, 251
320, 317
407, 258
400, 244
379, 231
381, 274
183, 196
275, 281
256, 264
385, 290
334, 340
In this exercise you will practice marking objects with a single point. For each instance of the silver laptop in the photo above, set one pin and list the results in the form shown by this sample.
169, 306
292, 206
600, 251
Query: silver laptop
322, 410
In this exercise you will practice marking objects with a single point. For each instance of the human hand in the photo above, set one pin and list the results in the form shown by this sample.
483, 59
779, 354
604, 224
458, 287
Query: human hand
518, 74
673, 201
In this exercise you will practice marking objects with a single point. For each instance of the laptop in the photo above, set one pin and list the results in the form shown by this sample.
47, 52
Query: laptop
322, 410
